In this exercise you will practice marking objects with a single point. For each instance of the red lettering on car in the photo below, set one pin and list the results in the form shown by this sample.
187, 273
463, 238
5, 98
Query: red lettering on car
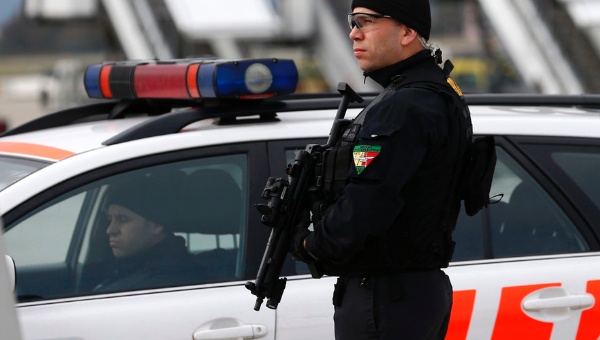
589, 328
462, 311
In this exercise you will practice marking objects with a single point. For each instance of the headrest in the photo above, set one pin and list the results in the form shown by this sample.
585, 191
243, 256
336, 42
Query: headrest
212, 204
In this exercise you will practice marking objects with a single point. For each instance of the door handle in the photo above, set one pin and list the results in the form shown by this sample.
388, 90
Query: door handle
569, 301
244, 332
554, 304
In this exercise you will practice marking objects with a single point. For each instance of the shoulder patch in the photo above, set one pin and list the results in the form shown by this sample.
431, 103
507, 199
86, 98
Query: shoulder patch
363, 156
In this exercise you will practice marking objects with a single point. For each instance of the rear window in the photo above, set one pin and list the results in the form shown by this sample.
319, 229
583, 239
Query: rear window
527, 221
13, 169
582, 169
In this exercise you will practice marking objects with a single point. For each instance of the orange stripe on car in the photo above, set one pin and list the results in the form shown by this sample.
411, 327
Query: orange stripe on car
462, 311
588, 325
37, 150
512, 321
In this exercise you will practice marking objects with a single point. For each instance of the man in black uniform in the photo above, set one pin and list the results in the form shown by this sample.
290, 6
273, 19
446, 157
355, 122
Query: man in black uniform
388, 231
141, 213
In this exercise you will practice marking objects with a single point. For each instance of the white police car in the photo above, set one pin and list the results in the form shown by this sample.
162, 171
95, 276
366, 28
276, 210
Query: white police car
527, 267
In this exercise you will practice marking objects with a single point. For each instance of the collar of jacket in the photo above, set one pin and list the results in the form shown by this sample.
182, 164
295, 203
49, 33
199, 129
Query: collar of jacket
384, 75
150, 256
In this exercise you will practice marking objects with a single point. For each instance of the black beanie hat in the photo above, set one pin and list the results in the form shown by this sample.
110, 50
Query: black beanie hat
415, 14
152, 197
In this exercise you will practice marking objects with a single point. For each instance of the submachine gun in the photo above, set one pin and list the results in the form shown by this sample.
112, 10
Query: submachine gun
286, 200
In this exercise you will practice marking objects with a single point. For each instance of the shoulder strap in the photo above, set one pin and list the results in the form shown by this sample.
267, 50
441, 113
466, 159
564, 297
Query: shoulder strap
386, 92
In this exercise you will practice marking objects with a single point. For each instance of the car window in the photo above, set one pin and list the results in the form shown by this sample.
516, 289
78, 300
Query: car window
13, 169
69, 243
582, 168
525, 222
50, 230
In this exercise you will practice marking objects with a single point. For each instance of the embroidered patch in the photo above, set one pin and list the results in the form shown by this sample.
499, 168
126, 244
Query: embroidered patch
363, 156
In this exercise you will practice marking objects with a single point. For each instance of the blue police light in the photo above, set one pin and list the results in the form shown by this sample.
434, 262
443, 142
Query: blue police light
192, 79
253, 78
91, 81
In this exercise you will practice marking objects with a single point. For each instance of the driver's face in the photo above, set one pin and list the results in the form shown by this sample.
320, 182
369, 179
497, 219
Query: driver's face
130, 233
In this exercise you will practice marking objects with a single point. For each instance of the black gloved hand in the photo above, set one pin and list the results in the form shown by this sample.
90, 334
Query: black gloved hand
300, 233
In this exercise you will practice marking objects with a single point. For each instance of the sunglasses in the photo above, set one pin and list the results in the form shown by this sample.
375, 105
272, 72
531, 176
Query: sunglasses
363, 20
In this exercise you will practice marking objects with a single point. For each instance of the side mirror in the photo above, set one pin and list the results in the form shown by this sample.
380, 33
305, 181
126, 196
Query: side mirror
11, 271
9, 322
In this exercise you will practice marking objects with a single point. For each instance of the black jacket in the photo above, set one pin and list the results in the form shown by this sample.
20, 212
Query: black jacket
165, 264
402, 185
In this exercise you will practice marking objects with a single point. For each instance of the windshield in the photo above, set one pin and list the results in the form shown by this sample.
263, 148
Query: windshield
13, 169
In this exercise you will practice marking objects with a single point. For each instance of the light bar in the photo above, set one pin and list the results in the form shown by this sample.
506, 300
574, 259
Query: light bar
191, 79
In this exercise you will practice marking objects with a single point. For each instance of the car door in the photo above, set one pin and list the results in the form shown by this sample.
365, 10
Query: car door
60, 247
527, 267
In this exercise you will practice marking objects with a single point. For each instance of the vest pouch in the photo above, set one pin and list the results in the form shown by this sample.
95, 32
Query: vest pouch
336, 163
376, 131
479, 175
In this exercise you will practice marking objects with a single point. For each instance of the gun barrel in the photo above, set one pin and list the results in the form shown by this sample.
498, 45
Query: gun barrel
285, 201
348, 96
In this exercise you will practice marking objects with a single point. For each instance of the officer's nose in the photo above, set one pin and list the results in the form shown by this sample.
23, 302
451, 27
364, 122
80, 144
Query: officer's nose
355, 33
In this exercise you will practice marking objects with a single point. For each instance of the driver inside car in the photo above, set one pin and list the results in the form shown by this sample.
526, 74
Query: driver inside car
147, 254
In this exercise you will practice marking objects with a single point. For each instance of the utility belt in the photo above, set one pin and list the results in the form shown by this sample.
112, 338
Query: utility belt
396, 291
405, 258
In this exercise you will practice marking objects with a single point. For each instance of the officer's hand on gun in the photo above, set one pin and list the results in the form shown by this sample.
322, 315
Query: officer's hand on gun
297, 248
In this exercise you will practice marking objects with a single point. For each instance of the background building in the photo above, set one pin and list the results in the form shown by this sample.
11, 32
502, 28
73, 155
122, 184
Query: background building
496, 45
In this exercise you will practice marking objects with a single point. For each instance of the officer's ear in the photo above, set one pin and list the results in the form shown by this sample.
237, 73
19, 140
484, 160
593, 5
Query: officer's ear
409, 35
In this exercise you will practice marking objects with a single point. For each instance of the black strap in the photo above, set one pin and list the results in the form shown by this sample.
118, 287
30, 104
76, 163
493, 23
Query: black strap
358, 120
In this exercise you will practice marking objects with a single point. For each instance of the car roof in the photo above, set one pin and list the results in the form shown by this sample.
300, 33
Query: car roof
495, 114
113, 141
536, 121
534, 115
72, 139
82, 137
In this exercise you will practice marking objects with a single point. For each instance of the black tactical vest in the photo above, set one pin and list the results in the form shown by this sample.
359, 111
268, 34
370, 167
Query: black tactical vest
431, 248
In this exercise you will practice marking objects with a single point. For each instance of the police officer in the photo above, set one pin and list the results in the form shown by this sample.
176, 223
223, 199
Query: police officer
388, 231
